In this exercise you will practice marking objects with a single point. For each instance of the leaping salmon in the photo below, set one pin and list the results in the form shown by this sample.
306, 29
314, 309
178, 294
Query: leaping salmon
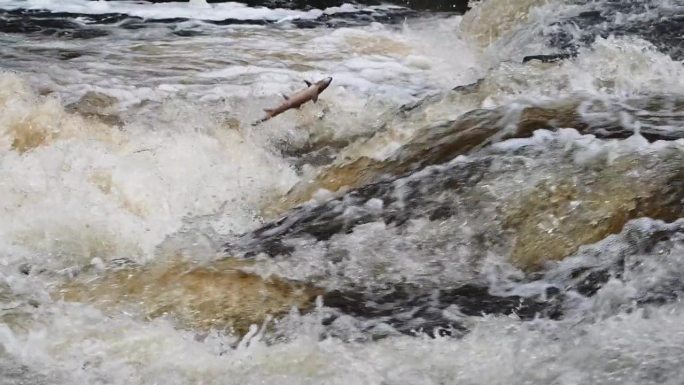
311, 92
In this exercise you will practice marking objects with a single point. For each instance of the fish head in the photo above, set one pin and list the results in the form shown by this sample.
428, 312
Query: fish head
323, 84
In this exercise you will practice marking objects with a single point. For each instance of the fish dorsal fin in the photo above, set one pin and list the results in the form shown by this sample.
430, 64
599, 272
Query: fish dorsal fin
315, 98
286, 97
308, 83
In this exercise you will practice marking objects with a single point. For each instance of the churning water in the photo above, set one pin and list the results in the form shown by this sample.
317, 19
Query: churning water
488, 198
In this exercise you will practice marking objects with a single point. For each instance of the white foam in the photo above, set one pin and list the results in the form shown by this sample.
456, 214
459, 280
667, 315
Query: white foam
615, 68
91, 191
200, 10
82, 346
145, 10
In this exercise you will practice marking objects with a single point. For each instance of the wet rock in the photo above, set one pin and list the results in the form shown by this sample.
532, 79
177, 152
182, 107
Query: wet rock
68, 55
61, 54
589, 281
98, 106
221, 295
554, 219
531, 215
317, 151
661, 25
458, 6
432, 5
549, 58
443, 141
571, 205
15, 310
468, 88
85, 26
215, 296
342, 215
645, 256
356, 18
46, 23
319, 157
93, 102
188, 33
413, 309
43, 120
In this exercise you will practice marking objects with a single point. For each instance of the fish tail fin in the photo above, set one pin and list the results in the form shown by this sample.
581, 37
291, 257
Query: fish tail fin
265, 118
269, 114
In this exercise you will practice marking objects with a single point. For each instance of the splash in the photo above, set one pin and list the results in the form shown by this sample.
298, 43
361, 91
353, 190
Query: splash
69, 173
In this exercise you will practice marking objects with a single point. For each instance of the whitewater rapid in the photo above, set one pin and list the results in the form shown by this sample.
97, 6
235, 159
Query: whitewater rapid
177, 170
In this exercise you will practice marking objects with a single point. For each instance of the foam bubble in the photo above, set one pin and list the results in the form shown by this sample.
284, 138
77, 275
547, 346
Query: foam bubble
75, 346
88, 190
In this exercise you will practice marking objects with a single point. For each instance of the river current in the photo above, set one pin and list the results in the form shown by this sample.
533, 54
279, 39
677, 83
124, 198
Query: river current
494, 197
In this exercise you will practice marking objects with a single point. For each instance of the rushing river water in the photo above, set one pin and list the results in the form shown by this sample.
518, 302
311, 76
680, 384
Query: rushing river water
488, 198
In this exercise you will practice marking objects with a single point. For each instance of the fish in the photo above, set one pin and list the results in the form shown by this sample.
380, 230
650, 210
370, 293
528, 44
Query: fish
310, 93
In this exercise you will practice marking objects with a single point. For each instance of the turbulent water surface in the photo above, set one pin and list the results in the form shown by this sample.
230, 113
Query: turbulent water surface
494, 197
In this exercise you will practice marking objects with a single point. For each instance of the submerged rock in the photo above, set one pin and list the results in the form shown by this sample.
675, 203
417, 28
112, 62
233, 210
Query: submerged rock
545, 208
46, 23
663, 26
71, 25
646, 257
433, 5
411, 310
441, 142
407, 244
549, 58
29, 121
552, 220
16, 310
530, 203
216, 296
98, 106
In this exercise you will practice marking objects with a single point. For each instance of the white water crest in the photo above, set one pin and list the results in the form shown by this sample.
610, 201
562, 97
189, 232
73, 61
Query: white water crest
200, 10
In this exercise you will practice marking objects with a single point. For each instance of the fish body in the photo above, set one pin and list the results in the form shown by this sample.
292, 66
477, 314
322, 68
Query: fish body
310, 93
